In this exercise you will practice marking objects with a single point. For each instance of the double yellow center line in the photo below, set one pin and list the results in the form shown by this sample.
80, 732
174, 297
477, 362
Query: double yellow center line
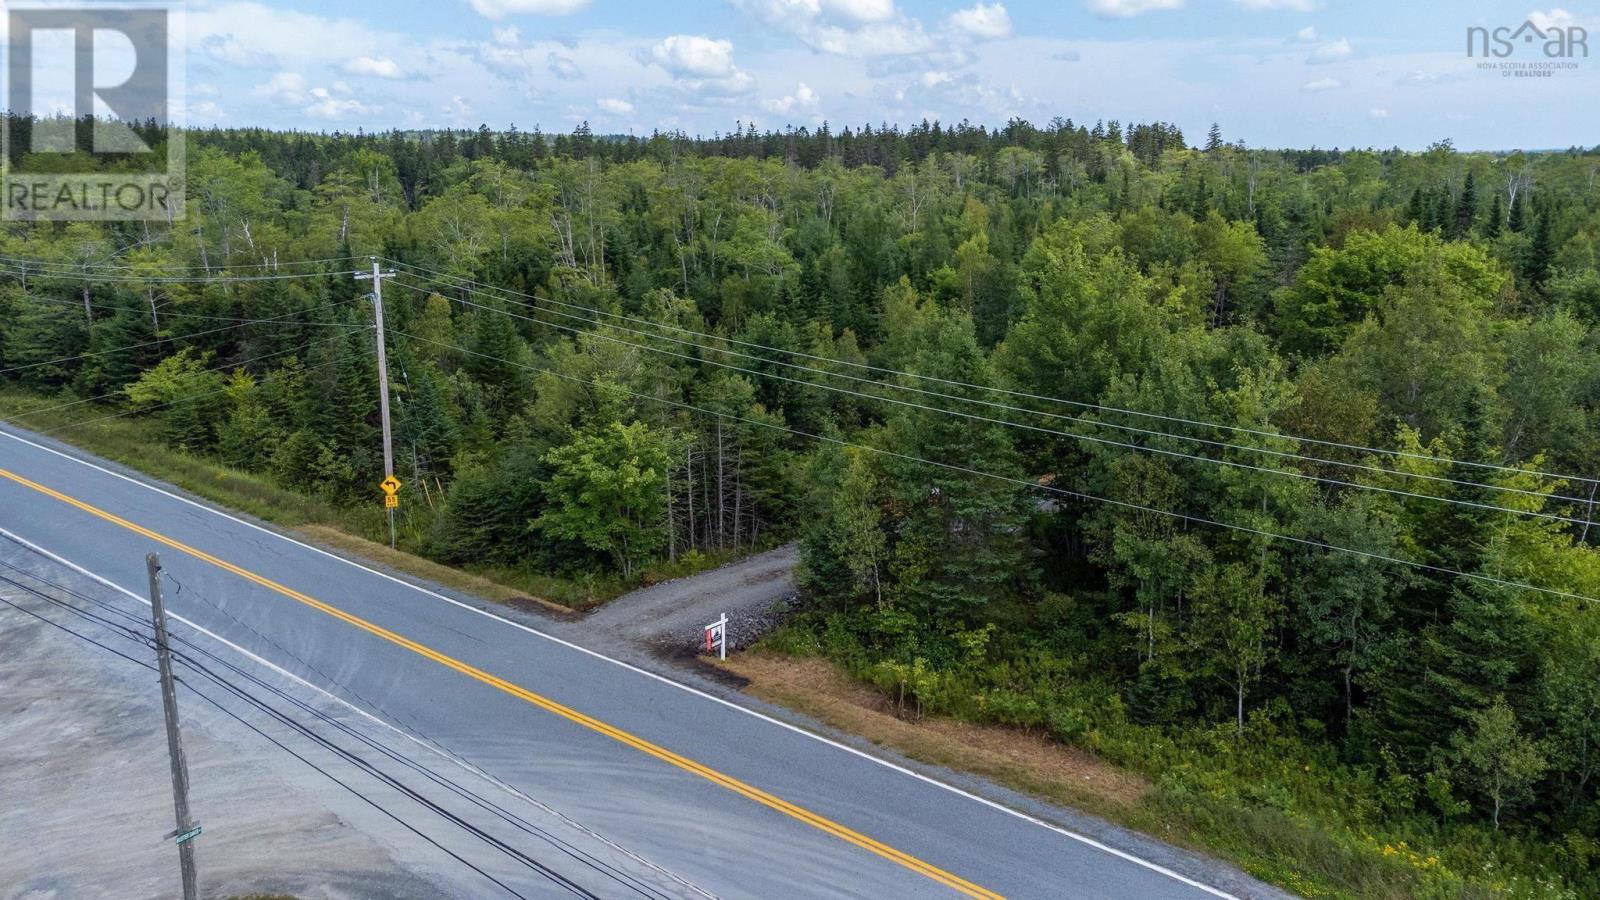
764, 798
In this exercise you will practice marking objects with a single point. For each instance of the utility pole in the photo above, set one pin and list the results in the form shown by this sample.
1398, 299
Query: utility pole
391, 498
187, 829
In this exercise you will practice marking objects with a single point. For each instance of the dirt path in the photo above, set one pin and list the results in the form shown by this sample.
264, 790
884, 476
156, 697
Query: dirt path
669, 618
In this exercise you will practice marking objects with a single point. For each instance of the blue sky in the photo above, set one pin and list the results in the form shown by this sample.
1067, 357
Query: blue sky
1271, 72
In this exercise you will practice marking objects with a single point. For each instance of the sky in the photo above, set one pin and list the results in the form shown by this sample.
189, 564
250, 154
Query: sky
1273, 73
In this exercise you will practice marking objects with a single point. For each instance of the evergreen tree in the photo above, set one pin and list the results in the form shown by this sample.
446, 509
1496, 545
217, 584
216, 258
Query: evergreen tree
1518, 212
1540, 256
959, 540
1442, 217
496, 364
1466, 208
1416, 210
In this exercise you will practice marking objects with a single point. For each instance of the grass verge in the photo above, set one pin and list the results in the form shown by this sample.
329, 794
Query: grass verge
1309, 856
134, 443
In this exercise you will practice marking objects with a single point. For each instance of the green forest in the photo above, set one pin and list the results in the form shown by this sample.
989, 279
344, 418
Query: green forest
1267, 474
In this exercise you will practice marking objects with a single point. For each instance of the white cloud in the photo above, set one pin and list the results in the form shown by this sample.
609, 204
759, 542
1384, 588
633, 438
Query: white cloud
865, 28
509, 36
1307, 34
499, 9
1322, 84
701, 65
227, 48
1270, 5
688, 55
1554, 18
375, 67
1127, 9
254, 35
614, 106
203, 111
284, 89
290, 90
1378, 112
803, 98
935, 78
562, 67
327, 105
858, 11
457, 110
987, 21
1333, 51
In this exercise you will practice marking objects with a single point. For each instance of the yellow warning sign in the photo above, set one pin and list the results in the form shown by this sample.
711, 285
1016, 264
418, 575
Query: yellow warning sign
390, 501
390, 485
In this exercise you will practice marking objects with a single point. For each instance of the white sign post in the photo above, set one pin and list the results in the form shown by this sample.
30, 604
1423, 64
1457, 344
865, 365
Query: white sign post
717, 636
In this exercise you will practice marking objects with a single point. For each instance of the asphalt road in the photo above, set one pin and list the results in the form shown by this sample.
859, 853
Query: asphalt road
724, 797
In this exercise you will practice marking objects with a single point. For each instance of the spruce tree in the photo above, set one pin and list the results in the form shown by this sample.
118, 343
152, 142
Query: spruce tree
1541, 255
959, 544
1466, 208
1416, 210
1443, 215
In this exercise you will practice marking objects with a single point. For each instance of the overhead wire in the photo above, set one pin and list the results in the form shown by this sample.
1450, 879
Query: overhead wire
279, 319
165, 311
155, 406
1287, 473
182, 589
64, 268
432, 274
472, 797
1049, 488
136, 633
225, 367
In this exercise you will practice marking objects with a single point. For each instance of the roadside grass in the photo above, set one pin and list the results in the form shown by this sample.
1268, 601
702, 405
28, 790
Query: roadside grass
1277, 807
1026, 762
136, 443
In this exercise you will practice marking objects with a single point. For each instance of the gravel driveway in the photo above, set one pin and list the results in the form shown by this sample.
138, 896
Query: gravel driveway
669, 619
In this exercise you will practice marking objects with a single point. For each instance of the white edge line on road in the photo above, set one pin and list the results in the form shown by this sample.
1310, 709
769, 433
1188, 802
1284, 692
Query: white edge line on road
440, 752
259, 660
1081, 838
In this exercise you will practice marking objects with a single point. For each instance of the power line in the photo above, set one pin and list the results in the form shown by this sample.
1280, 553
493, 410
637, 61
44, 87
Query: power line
65, 269
165, 311
429, 274
225, 367
301, 728
1287, 473
156, 406
139, 638
135, 631
69, 271
108, 277
476, 799
1079, 495
274, 319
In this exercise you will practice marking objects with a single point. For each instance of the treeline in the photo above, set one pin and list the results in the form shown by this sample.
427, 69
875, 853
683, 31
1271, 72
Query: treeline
1362, 366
